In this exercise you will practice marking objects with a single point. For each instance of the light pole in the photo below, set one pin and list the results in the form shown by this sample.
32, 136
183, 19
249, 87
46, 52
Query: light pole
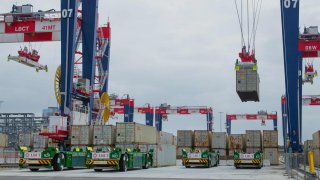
220, 121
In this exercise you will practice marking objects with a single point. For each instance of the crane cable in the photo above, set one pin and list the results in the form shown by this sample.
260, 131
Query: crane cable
256, 9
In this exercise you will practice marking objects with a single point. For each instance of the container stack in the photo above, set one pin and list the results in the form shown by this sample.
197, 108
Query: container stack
236, 142
7, 155
247, 82
219, 142
39, 142
104, 136
133, 135
270, 146
184, 141
253, 141
316, 148
81, 136
25, 140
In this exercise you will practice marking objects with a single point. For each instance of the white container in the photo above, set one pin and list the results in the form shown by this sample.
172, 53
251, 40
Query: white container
25, 140
252, 150
10, 156
272, 154
165, 138
57, 123
174, 140
222, 152
202, 138
219, 140
80, 118
81, 135
164, 155
270, 139
134, 133
179, 151
39, 141
104, 135
236, 141
253, 138
185, 138
3, 140
316, 140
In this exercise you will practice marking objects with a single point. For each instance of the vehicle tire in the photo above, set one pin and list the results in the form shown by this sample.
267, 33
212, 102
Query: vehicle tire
123, 163
188, 166
97, 170
34, 169
209, 162
147, 164
58, 162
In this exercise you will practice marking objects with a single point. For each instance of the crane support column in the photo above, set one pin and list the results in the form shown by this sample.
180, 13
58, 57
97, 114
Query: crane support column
106, 59
293, 69
69, 9
228, 126
149, 118
158, 117
89, 43
209, 121
284, 122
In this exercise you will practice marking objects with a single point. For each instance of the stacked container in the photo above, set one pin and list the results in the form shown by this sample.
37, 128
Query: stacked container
184, 141
219, 142
253, 141
236, 142
25, 140
81, 136
316, 148
39, 142
104, 135
270, 146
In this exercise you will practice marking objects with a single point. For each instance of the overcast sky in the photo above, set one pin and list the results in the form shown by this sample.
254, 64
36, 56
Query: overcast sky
181, 52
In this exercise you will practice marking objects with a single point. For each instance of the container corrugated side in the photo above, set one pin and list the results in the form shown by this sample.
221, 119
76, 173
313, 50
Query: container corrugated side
316, 139
272, 154
236, 141
219, 140
307, 145
253, 138
136, 133
25, 139
104, 135
185, 138
270, 138
81, 135
165, 138
164, 155
202, 138
252, 150
222, 152
8, 156
39, 141
316, 153
3, 140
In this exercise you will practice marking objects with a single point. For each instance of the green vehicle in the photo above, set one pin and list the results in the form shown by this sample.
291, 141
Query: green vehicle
52, 158
205, 158
118, 159
246, 160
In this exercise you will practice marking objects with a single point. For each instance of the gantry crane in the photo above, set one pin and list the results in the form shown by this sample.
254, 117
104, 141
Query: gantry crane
162, 112
261, 115
296, 46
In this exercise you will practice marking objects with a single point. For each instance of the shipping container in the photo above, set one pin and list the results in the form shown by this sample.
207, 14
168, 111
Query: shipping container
202, 138
141, 147
316, 154
236, 141
39, 141
230, 152
25, 139
8, 156
57, 123
270, 139
165, 138
307, 145
316, 140
253, 138
185, 138
164, 155
252, 150
271, 154
247, 82
174, 139
179, 151
81, 135
132, 132
80, 117
3, 140
104, 135
219, 140
222, 152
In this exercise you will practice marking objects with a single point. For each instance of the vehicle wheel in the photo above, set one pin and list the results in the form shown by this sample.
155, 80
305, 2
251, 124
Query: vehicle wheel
124, 163
188, 166
34, 169
147, 164
209, 162
58, 162
97, 170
